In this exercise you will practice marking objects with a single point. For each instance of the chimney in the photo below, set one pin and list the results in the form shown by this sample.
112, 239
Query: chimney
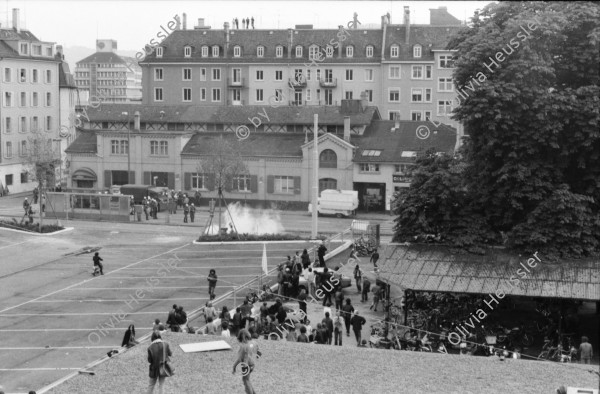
16, 20
178, 26
341, 45
290, 42
136, 121
347, 128
407, 23
184, 21
226, 28
59, 53
364, 101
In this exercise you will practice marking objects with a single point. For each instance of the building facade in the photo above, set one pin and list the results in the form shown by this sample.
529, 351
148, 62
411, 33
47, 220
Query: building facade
30, 102
106, 77
357, 151
402, 69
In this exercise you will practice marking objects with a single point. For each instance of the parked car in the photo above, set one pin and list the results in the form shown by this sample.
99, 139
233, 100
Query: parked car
344, 280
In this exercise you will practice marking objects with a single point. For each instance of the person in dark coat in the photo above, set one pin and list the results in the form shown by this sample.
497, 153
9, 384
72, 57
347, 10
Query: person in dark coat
247, 23
237, 23
156, 356
357, 322
305, 257
186, 211
252, 22
129, 337
172, 319
97, 262
347, 311
212, 283
192, 212
328, 324
366, 288
321, 253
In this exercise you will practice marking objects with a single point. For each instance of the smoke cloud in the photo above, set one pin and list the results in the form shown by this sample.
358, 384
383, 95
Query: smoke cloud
247, 220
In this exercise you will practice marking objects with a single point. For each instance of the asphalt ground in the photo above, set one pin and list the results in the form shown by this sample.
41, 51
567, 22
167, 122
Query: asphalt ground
56, 318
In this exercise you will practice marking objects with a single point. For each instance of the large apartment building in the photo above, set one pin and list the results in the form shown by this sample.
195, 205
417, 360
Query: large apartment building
106, 77
29, 86
402, 69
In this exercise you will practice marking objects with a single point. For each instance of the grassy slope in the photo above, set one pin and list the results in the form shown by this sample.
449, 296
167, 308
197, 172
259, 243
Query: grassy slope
301, 368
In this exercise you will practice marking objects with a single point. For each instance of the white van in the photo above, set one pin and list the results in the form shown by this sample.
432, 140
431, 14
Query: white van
337, 202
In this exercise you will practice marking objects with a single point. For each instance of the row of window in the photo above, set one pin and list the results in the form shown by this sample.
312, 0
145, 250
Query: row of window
8, 178
36, 49
444, 108
8, 149
242, 183
21, 75
313, 51
417, 72
34, 99
157, 148
34, 125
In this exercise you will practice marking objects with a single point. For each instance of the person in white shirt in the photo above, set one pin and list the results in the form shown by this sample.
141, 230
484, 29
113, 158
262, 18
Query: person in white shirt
225, 330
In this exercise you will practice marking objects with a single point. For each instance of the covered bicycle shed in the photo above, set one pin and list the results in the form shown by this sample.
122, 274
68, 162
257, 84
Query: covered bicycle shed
436, 268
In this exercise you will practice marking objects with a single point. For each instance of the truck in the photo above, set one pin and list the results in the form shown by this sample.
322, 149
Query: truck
341, 203
140, 191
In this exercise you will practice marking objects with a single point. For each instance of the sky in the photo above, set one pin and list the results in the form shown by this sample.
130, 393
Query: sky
134, 22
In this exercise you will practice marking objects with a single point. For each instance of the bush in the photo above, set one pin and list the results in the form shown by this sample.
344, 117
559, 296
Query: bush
32, 228
252, 237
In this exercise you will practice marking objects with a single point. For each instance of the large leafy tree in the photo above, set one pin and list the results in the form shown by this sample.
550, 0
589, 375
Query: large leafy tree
528, 75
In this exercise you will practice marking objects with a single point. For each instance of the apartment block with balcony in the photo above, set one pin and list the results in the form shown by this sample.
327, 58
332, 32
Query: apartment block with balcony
29, 85
106, 77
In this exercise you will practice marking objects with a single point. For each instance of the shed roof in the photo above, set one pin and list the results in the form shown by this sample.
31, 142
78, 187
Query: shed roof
436, 268
84, 143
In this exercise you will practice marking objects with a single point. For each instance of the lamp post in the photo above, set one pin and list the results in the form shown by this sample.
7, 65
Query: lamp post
59, 140
315, 198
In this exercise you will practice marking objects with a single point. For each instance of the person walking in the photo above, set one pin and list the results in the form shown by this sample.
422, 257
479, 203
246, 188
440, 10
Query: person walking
366, 287
247, 23
321, 254
328, 324
309, 275
357, 322
237, 23
358, 278
212, 283
337, 329
374, 258
347, 311
376, 295
305, 258
158, 353
585, 351
97, 262
245, 358
26, 206
186, 211
339, 299
252, 22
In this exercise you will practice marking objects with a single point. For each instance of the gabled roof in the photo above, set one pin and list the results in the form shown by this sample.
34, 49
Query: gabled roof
103, 57
379, 136
436, 268
12, 34
85, 143
301, 115
329, 136
256, 145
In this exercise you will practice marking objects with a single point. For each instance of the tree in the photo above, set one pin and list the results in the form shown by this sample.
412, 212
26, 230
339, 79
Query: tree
223, 165
527, 73
42, 160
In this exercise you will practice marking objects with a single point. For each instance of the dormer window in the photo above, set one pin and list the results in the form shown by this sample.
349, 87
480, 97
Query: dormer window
237, 51
24, 49
395, 51
349, 51
370, 51
298, 51
187, 51
417, 51
279, 51
159, 51
313, 51
204, 51
215, 51
260, 51
329, 51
